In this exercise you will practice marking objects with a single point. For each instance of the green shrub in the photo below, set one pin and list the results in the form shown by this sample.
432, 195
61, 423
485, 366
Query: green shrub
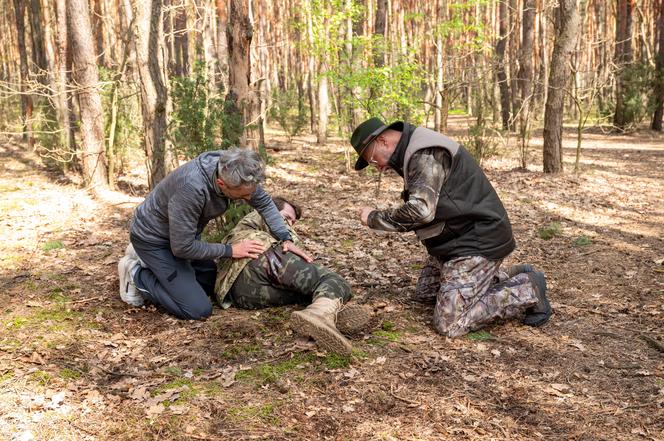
198, 114
289, 111
53, 245
582, 241
482, 142
549, 232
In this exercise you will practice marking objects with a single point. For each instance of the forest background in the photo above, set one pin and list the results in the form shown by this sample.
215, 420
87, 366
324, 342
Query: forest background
86, 82
560, 101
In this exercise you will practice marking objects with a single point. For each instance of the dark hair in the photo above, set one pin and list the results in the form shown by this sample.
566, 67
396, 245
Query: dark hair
281, 202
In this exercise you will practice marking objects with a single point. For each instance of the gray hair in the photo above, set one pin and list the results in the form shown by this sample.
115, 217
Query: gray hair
238, 167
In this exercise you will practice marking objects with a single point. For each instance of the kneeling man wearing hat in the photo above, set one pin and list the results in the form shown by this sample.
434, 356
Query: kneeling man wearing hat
452, 207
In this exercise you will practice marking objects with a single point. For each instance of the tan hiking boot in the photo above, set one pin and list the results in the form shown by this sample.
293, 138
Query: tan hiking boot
318, 321
353, 318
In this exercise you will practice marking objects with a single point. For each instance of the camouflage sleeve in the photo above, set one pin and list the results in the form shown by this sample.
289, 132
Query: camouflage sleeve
427, 171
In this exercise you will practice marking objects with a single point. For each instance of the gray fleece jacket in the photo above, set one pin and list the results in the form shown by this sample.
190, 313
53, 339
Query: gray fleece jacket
183, 203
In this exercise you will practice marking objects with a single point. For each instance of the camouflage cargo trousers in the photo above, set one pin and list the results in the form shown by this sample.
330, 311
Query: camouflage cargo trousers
277, 278
471, 292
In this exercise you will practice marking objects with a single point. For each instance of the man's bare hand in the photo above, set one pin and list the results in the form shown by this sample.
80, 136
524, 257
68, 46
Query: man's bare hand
290, 246
364, 214
247, 248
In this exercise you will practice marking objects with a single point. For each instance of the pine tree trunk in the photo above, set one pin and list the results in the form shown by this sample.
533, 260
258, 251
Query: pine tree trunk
525, 76
63, 96
543, 74
86, 78
311, 63
26, 97
323, 92
241, 100
222, 44
658, 89
441, 12
37, 35
623, 57
153, 85
501, 73
379, 31
567, 23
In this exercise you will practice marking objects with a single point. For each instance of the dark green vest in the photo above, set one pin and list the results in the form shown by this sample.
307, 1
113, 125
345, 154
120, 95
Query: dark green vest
470, 218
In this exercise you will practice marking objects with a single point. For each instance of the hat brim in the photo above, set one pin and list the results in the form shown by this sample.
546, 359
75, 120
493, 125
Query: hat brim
361, 162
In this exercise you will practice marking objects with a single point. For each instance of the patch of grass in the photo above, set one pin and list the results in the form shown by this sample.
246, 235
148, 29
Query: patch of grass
457, 112
480, 336
15, 259
10, 344
185, 395
552, 230
57, 295
57, 319
348, 243
238, 350
17, 322
30, 285
274, 316
212, 388
56, 277
387, 332
264, 413
179, 382
53, 245
69, 374
6, 376
337, 361
174, 370
42, 377
360, 354
271, 372
415, 266
387, 335
581, 241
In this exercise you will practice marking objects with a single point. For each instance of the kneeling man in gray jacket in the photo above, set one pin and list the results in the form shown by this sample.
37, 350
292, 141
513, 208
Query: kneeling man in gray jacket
166, 261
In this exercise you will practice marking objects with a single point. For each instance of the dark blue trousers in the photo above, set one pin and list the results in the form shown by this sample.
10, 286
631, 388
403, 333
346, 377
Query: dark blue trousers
182, 287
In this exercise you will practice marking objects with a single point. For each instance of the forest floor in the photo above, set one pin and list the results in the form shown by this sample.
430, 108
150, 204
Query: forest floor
78, 364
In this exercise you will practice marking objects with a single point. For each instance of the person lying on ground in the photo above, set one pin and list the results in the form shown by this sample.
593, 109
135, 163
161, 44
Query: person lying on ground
166, 261
277, 277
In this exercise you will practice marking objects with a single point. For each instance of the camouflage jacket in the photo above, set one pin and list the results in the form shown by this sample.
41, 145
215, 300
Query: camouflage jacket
252, 226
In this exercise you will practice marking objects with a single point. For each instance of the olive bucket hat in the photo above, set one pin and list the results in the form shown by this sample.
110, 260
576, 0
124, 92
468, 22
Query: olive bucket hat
363, 135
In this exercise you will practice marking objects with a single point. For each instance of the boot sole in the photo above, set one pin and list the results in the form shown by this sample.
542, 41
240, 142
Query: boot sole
353, 319
531, 319
326, 337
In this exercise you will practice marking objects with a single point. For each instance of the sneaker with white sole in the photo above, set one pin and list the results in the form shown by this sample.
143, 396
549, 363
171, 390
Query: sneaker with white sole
128, 292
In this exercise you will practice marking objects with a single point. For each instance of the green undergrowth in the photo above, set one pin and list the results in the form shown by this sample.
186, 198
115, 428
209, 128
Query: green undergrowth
271, 372
264, 413
549, 232
387, 333
480, 336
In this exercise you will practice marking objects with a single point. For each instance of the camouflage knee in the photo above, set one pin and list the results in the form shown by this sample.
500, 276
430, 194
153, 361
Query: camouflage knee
333, 286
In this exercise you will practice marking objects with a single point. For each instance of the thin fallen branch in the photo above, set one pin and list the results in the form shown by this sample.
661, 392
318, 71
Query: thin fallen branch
652, 342
411, 403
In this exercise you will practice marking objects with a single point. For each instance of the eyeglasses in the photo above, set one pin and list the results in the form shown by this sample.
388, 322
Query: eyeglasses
371, 160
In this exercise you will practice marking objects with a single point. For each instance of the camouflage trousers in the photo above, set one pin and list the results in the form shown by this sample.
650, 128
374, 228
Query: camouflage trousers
277, 278
471, 292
